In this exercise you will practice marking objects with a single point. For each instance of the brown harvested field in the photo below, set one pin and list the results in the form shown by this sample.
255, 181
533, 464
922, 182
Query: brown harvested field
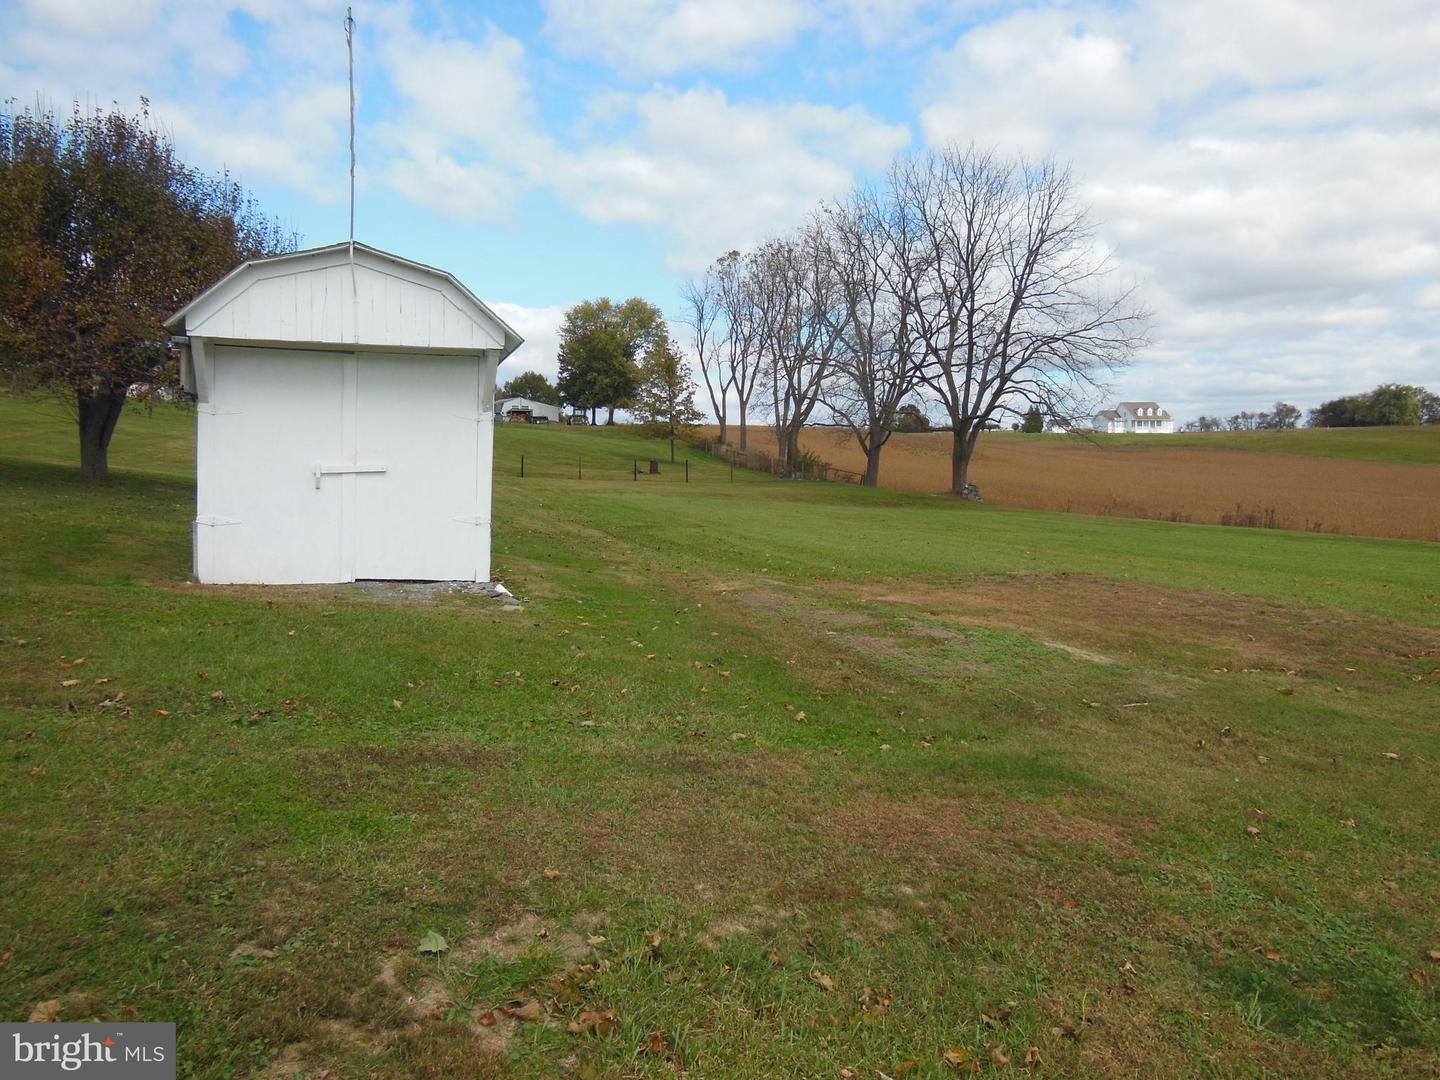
1175, 483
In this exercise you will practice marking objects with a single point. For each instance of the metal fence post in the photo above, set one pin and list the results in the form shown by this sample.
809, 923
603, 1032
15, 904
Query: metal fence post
687, 470
579, 467
522, 465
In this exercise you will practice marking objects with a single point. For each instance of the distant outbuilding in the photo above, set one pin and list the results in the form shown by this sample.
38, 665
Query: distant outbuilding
528, 410
346, 424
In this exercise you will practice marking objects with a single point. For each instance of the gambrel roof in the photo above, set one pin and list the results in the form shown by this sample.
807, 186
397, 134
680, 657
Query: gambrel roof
325, 298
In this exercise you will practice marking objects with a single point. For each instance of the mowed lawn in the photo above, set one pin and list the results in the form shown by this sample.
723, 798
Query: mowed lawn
765, 779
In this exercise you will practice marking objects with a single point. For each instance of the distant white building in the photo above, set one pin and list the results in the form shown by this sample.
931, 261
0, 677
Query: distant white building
528, 410
1134, 418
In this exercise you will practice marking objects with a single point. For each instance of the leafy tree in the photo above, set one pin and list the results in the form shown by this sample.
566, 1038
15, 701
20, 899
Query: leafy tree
1390, 404
911, 418
532, 385
1034, 422
1387, 404
1284, 417
599, 343
1206, 423
665, 404
1429, 407
103, 233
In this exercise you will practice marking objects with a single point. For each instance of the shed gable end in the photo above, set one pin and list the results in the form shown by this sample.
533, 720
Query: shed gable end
317, 297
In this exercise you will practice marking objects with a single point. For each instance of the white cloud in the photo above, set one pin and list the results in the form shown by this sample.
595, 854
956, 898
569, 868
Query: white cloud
540, 327
1261, 167
719, 174
651, 37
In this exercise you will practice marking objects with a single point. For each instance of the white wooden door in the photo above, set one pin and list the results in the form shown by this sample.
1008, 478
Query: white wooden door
272, 415
425, 517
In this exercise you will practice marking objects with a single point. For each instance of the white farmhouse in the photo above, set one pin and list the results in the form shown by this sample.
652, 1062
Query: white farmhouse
1134, 418
345, 420
528, 410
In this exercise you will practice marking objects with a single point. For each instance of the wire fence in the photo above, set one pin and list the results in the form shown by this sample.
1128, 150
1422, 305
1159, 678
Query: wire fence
719, 463
806, 466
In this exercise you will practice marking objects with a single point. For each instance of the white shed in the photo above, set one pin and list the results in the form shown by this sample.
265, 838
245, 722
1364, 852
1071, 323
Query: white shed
527, 409
346, 420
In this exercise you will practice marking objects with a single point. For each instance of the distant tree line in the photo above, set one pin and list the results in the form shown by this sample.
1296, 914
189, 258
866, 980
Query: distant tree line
1388, 404
964, 279
1281, 417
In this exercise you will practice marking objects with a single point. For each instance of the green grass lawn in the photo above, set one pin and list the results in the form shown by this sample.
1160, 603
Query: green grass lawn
765, 779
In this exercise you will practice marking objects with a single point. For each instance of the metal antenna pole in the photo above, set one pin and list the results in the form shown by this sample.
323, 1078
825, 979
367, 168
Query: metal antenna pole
350, 57
350, 54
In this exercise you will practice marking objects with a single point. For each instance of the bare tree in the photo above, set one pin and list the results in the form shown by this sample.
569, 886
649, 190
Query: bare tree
870, 246
741, 339
1009, 294
796, 308
708, 341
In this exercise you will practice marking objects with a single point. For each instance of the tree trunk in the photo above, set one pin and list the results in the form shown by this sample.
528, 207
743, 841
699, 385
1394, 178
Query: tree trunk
872, 464
98, 415
959, 462
743, 427
610, 416
592, 415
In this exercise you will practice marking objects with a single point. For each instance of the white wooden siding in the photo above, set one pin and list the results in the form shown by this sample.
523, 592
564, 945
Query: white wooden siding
316, 305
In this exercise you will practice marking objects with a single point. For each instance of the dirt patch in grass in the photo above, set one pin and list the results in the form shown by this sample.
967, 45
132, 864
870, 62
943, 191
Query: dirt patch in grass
1062, 610
951, 830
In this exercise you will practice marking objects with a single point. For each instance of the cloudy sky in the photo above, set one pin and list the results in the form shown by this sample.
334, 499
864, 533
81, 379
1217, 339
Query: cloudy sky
1268, 170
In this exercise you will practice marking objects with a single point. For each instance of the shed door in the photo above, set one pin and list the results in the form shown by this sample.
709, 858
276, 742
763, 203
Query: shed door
261, 516
418, 416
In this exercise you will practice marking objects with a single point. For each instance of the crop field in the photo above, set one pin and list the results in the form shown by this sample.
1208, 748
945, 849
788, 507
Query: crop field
1367, 482
763, 778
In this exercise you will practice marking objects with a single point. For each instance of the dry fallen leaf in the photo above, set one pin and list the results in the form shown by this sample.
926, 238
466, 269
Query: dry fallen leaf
523, 1010
1251, 830
47, 1012
70, 682
552, 874
595, 939
655, 1043
1389, 756
8, 954
594, 1021
1032, 1056
1420, 977
998, 1058
487, 1019
1434, 954
162, 712
1271, 955
957, 1056
822, 980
